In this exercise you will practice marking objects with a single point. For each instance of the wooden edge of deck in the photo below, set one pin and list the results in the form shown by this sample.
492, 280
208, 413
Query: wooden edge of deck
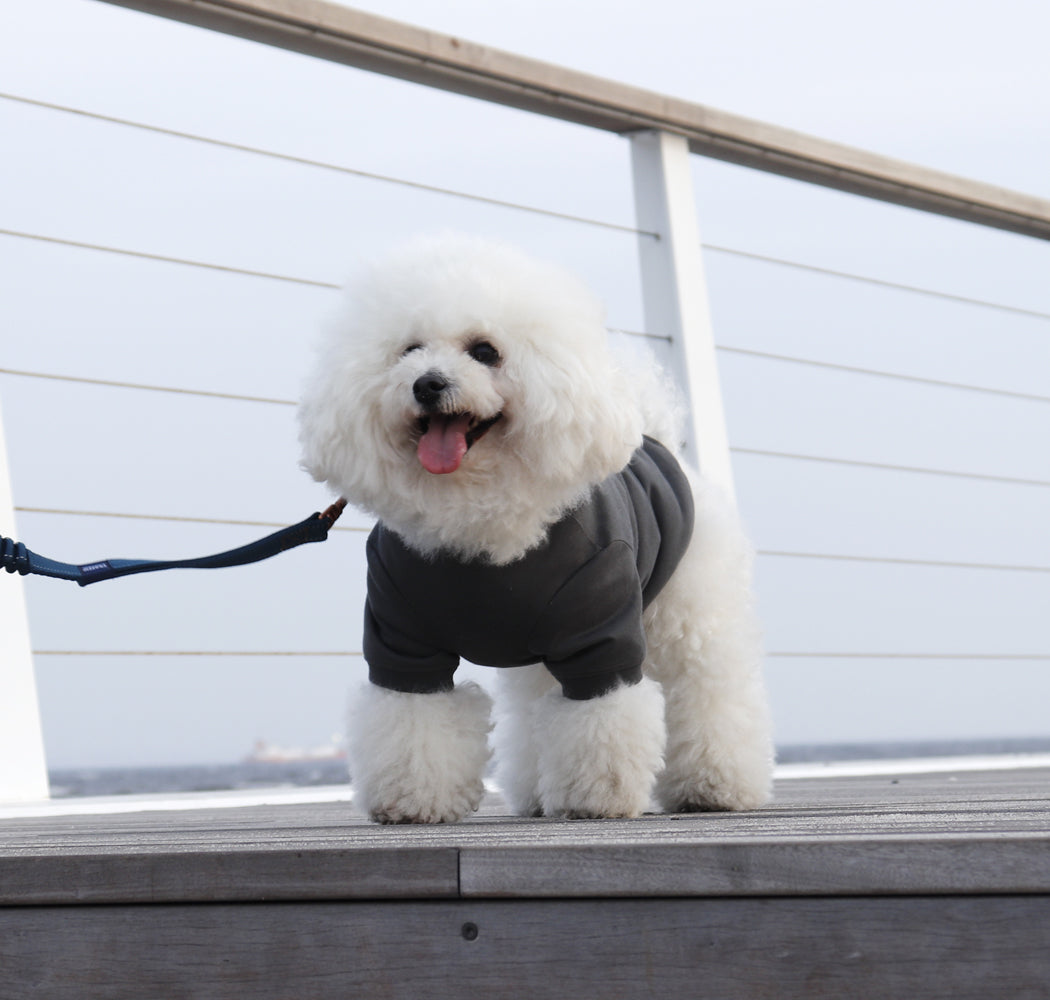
227, 876
953, 948
834, 866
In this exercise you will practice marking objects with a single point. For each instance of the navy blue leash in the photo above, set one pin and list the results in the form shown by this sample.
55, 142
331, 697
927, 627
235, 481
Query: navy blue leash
16, 558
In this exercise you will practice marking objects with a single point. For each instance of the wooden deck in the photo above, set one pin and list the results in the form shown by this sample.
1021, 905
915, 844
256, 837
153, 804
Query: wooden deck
915, 885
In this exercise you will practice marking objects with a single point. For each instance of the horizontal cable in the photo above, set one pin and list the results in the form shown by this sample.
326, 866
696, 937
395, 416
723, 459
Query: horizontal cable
211, 393
150, 388
913, 656
314, 283
641, 333
349, 653
632, 333
323, 165
733, 350
890, 560
879, 282
190, 652
856, 463
162, 258
737, 450
293, 279
856, 370
170, 517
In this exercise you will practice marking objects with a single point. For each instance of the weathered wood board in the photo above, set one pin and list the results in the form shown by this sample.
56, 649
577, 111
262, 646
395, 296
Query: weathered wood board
954, 948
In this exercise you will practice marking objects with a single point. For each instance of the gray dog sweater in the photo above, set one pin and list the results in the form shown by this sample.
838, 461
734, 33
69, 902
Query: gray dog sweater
574, 603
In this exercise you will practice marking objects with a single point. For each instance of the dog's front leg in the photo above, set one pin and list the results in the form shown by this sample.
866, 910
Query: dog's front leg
599, 757
519, 704
419, 758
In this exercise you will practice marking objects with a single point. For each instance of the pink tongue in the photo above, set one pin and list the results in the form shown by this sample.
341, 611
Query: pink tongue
443, 446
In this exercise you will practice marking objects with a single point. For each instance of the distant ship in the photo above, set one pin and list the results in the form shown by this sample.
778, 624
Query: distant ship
265, 752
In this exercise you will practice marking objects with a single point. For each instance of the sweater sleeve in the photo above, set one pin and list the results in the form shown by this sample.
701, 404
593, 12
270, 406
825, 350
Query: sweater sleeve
398, 658
590, 635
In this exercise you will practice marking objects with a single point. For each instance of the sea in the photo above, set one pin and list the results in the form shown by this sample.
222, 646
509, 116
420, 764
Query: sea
253, 774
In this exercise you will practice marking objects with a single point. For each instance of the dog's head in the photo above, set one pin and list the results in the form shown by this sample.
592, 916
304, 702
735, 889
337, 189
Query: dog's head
466, 396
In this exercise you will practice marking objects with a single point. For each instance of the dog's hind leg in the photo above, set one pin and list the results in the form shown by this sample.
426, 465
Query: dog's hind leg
600, 757
419, 758
705, 648
519, 694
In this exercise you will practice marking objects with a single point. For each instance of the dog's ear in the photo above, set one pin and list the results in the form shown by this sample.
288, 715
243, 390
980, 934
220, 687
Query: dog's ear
580, 420
324, 433
341, 434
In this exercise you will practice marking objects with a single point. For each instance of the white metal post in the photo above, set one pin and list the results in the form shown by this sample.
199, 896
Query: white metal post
675, 294
23, 767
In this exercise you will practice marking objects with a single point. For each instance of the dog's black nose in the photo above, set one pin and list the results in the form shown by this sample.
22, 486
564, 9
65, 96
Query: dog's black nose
428, 388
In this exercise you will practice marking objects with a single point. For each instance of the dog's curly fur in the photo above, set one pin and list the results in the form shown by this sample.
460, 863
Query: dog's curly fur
523, 348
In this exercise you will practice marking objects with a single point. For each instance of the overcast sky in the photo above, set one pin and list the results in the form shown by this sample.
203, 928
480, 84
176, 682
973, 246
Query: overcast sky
962, 87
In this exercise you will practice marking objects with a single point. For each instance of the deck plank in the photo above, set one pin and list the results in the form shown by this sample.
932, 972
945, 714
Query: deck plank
231, 874
960, 948
965, 833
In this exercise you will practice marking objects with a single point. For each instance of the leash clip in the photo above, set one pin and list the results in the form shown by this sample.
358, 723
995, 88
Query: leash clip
331, 514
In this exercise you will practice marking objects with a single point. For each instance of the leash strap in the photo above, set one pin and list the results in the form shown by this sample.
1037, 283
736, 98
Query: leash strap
16, 558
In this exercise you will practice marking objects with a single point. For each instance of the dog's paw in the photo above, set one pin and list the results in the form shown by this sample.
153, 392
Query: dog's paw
599, 758
730, 786
419, 758
412, 805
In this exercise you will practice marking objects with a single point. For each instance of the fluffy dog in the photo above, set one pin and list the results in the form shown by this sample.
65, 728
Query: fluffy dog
529, 519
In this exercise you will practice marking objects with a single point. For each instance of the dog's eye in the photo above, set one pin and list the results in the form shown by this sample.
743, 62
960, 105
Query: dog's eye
484, 353
411, 348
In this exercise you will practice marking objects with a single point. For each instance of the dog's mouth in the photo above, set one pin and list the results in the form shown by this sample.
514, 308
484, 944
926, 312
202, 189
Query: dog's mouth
446, 437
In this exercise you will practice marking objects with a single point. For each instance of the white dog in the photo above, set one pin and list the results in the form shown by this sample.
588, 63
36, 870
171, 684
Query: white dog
466, 397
